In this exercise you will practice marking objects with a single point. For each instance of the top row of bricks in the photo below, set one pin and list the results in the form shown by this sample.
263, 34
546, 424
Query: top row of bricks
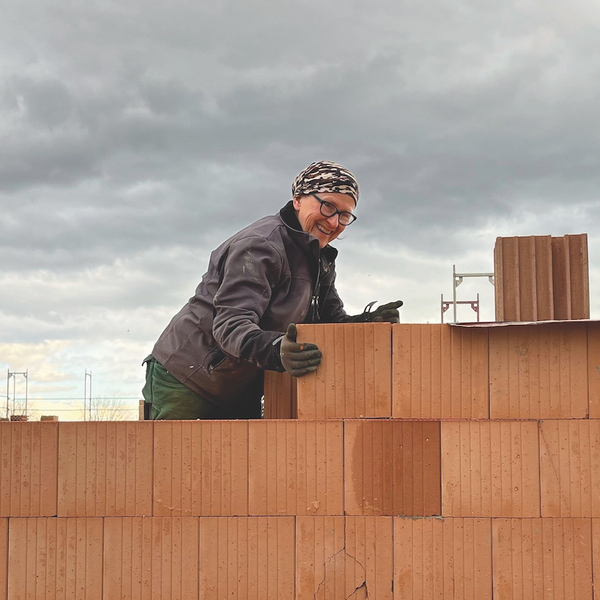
415, 371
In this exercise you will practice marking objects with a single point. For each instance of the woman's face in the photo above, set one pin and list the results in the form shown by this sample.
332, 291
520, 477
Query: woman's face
325, 229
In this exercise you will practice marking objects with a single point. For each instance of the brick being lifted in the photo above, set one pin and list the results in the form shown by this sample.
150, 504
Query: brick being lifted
542, 278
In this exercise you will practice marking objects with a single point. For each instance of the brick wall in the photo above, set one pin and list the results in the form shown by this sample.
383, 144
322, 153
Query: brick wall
445, 461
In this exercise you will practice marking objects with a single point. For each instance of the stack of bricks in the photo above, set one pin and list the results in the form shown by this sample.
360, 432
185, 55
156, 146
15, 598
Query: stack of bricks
419, 461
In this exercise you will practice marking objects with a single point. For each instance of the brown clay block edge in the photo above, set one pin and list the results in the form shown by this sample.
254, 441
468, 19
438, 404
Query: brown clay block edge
3, 558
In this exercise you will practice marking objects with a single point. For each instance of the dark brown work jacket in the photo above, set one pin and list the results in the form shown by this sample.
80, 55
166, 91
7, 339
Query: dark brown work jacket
261, 279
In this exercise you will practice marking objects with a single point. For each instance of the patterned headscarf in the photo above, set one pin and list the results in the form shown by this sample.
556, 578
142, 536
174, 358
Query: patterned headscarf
325, 176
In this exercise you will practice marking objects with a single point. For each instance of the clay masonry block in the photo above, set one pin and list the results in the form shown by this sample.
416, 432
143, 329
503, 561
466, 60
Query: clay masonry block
439, 372
490, 469
442, 558
542, 558
354, 377
3, 557
247, 557
200, 468
539, 371
151, 557
28, 469
539, 278
392, 467
105, 468
295, 467
55, 558
344, 557
570, 468
594, 369
281, 400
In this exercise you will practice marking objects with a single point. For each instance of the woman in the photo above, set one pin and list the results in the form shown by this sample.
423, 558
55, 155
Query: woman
278, 271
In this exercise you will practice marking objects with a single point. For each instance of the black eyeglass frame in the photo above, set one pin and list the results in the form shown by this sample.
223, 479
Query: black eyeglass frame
352, 216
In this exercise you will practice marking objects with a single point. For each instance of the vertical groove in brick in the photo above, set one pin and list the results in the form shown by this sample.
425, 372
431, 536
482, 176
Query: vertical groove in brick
561, 274
570, 468
28, 469
543, 281
527, 279
392, 467
541, 278
151, 557
596, 557
490, 469
439, 371
354, 377
442, 558
579, 272
3, 557
281, 400
247, 557
295, 467
539, 371
55, 558
594, 369
542, 558
200, 468
105, 468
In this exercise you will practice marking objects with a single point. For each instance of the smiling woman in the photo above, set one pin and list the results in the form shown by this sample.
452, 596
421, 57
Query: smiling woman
210, 360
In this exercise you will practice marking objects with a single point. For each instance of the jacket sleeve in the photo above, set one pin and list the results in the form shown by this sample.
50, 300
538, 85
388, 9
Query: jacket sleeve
332, 307
251, 270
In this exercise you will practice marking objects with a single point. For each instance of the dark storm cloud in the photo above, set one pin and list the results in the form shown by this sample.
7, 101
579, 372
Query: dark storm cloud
135, 137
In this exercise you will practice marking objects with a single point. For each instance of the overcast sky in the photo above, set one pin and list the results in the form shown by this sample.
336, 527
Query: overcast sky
136, 136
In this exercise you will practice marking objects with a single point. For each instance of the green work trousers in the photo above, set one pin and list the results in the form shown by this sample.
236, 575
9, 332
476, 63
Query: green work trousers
171, 400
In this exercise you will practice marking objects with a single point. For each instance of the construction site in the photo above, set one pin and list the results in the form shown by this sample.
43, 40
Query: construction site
451, 460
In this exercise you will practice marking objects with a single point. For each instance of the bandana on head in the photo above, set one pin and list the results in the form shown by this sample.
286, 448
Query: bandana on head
325, 176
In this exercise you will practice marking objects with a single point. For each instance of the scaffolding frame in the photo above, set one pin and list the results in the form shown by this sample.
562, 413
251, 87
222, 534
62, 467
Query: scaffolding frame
13, 375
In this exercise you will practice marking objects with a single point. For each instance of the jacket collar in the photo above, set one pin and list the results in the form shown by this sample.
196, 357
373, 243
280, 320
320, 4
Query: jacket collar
288, 216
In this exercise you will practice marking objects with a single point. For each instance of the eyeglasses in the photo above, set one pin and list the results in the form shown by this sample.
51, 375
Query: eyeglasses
328, 209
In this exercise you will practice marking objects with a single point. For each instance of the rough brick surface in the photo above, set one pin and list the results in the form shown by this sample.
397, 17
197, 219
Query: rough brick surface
439, 371
354, 377
55, 558
251, 558
151, 557
341, 557
295, 467
570, 468
539, 371
594, 369
105, 468
490, 469
200, 468
281, 400
28, 469
542, 558
442, 558
392, 467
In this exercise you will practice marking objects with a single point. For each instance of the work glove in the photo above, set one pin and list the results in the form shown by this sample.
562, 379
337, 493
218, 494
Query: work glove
387, 313
298, 359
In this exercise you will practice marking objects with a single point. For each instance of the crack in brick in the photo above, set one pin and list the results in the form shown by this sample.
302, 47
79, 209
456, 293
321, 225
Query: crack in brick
360, 592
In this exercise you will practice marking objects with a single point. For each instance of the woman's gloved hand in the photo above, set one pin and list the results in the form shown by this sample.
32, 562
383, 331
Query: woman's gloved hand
387, 313
298, 359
